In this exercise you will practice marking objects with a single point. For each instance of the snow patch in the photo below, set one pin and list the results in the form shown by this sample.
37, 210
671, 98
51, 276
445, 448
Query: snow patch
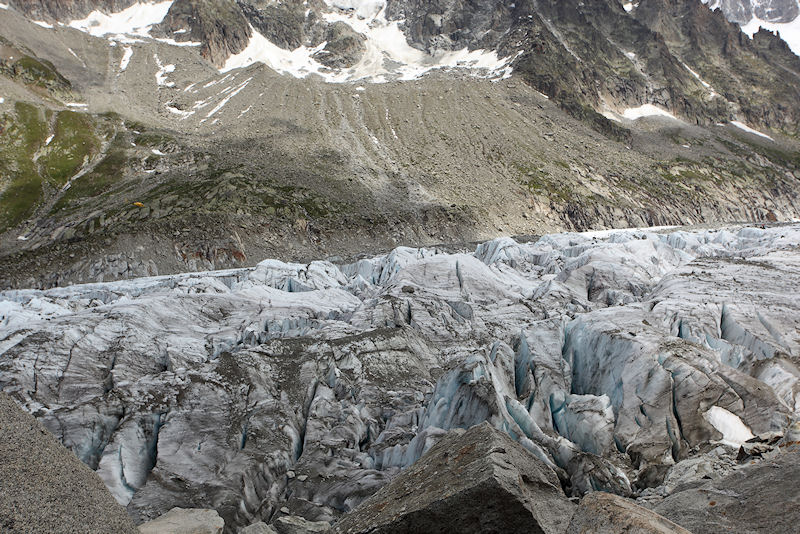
173, 42
746, 128
43, 24
157, 152
647, 110
136, 20
734, 431
126, 58
227, 98
163, 70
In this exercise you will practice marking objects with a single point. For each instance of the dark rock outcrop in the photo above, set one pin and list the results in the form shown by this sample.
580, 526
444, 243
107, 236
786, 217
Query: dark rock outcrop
474, 481
44, 487
344, 46
219, 24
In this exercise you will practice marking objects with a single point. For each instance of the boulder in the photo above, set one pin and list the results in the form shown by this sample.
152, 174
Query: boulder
258, 528
292, 524
478, 480
43, 485
185, 521
605, 513
757, 498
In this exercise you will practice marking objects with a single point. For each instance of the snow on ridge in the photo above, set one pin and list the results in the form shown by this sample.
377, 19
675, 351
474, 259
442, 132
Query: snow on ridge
386, 43
746, 128
789, 31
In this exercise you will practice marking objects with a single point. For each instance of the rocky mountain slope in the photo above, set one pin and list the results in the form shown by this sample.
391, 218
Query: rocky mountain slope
125, 154
630, 362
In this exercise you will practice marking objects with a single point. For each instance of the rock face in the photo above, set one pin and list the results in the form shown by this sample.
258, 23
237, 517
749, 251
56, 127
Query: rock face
66, 10
474, 481
302, 389
44, 487
183, 521
604, 513
218, 24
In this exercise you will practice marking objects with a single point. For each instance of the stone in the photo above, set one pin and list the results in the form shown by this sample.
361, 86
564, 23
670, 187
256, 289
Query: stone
757, 498
605, 513
292, 524
478, 480
185, 521
258, 528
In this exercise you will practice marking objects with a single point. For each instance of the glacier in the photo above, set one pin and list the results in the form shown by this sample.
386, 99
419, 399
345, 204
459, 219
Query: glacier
620, 358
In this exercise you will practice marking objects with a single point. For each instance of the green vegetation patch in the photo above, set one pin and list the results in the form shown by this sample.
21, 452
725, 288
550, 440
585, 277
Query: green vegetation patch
21, 135
100, 179
73, 145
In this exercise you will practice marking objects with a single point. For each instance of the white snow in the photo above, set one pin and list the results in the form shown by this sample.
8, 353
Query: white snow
43, 24
227, 98
77, 105
388, 55
734, 431
126, 58
135, 20
647, 110
47, 141
157, 152
3, 6
2, 100
173, 42
163, 70
746, 128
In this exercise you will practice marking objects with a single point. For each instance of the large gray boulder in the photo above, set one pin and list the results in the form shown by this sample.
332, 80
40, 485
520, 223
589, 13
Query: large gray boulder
759, 498
44, 487
477, 480
292, 524
605, 513
185, 521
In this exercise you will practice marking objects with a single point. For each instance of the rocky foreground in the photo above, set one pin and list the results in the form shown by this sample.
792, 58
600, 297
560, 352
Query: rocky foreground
651, 365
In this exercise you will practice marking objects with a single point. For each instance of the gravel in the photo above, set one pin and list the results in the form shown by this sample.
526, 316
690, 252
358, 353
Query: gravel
44, 487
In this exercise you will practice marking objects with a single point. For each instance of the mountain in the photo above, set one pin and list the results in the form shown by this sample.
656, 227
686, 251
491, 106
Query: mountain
743, 11
381, 153
160, 137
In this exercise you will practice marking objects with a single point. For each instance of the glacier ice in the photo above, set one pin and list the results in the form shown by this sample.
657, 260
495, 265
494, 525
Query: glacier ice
612, 356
